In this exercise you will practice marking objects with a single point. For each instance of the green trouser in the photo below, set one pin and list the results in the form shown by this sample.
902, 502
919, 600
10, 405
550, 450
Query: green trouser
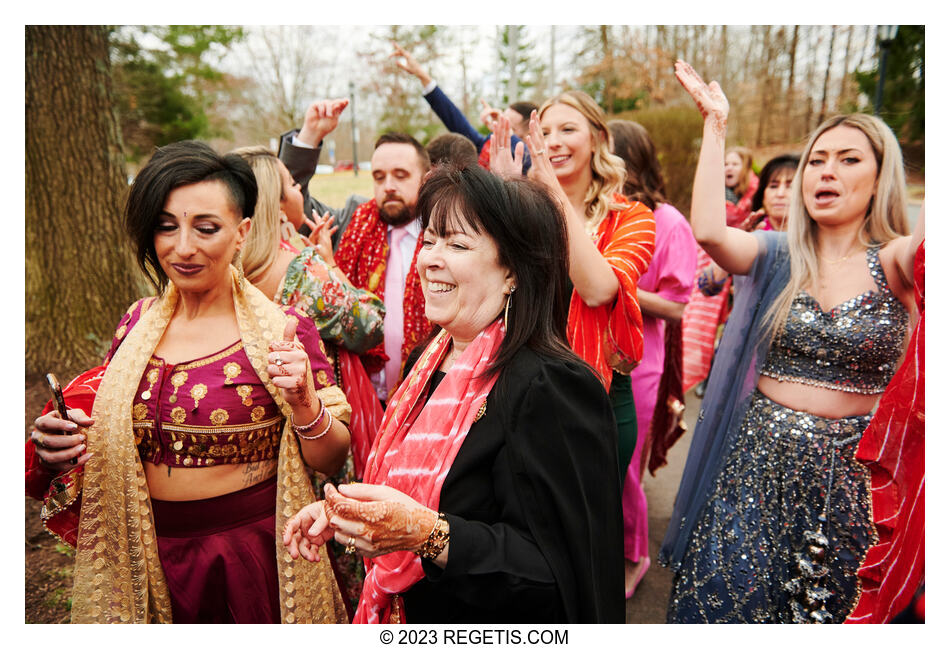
621, 398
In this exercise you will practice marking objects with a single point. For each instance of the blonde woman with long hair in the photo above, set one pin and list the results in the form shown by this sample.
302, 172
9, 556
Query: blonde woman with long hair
610, 241
772, 518
300, 272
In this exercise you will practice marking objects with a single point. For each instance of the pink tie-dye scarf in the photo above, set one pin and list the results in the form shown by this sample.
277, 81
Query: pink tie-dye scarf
415, 448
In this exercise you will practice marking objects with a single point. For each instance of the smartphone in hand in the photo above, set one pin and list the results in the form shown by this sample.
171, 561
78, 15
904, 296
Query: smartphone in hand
57, 393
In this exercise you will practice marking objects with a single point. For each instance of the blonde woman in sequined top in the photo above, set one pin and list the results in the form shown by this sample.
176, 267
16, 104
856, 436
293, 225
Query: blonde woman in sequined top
772, 518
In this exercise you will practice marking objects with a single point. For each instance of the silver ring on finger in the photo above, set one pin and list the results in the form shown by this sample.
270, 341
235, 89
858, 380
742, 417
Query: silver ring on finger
279, 361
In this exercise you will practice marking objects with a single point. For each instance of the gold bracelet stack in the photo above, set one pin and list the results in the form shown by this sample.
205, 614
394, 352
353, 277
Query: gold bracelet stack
437, 540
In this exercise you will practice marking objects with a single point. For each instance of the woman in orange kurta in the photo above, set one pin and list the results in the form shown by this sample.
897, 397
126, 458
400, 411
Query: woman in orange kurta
610, 241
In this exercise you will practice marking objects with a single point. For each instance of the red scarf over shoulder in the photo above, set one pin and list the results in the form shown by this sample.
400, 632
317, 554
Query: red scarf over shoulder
362, 256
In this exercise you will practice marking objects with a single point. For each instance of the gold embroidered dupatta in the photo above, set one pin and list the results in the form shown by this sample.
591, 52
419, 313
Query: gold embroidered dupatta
118, 576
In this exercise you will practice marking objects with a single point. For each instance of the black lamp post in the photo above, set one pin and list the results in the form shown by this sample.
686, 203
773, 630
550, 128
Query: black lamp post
885, 36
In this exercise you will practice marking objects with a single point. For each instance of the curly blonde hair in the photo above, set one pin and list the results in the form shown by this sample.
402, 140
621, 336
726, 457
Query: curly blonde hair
884, 220
608, 171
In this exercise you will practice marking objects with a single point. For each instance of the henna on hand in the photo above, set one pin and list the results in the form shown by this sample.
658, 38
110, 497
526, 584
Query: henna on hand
388, 525
295, 364
710, 99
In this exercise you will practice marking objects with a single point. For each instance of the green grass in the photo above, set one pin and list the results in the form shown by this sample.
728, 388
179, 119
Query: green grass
333, 189
59, 598
62, 548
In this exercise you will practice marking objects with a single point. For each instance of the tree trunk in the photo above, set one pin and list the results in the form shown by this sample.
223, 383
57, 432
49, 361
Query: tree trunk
810, 76
843, 95
824, 89
765, 84
724, 53
80, 273
608, 75
513, 33
790, 88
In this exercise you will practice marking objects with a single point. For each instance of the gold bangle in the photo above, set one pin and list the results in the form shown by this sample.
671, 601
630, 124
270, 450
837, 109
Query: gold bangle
437, 540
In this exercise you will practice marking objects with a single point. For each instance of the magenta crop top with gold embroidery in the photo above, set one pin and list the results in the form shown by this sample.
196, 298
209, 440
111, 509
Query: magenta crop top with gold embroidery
212, 410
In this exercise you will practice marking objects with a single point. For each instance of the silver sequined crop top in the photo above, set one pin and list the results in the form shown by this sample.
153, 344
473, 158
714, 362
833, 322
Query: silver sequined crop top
854, 347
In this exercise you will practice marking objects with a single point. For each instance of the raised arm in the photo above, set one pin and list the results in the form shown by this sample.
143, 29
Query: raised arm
300, 151
321, 119
441, 105
733, 249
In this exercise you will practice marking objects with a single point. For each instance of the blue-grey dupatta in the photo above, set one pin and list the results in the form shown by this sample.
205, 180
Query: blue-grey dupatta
735, 372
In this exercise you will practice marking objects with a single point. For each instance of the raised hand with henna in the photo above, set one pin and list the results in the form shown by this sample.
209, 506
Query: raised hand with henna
709, 98
289, 368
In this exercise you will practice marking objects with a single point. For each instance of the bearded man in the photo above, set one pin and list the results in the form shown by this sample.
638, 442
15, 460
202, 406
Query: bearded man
377, 240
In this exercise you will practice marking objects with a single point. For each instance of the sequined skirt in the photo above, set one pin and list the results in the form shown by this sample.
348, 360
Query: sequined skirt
754, 555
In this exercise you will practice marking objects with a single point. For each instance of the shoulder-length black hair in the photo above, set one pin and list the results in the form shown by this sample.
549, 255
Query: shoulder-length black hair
778, 163
170, 167
525, 223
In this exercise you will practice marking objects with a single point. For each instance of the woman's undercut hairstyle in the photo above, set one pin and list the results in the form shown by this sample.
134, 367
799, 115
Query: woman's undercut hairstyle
170, 167
787, 162
525, 223
644, 181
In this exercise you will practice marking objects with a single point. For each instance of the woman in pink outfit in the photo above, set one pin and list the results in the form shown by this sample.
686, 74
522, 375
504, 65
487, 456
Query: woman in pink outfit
663, 292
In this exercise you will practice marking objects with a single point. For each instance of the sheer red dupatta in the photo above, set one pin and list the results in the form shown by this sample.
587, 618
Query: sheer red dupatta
60, 494
415, 448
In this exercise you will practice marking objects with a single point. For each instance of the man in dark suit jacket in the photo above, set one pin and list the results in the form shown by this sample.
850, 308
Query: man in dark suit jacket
518, 113
300, 153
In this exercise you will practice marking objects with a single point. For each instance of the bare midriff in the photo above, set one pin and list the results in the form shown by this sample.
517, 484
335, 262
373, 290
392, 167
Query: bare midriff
823, 402
189, 483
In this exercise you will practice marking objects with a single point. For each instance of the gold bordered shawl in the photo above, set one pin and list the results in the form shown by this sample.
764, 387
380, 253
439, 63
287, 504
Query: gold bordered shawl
118, 576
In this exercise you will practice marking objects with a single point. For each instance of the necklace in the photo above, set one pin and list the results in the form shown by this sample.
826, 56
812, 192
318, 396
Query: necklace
838, 261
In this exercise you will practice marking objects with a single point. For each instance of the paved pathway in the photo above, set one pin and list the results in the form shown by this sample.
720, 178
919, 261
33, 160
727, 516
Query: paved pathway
648, 604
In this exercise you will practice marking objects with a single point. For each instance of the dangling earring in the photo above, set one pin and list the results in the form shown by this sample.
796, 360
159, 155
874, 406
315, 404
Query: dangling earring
239, 266
286, 228
508, 304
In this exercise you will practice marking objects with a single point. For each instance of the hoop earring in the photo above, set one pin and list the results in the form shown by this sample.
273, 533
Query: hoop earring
508, 304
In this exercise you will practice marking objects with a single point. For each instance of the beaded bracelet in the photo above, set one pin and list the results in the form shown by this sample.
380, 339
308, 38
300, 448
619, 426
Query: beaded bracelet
437, 540
322, 432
